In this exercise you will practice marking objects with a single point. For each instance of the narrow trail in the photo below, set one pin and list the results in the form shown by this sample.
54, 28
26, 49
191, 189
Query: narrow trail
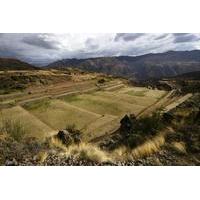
145, 111
177, 103
167, 100
52, 91
155, 105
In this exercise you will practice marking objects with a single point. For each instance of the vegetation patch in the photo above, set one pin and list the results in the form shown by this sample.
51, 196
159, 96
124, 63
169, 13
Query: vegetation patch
40, 104
136, 93
13, 128
104, 105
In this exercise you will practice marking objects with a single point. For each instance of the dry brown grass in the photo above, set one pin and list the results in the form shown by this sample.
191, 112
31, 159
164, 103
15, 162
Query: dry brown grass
41, 156
3, 136
88, 151
57, 143
149, 147
13, 128
92, 152
82, 150
32, 125
179, 146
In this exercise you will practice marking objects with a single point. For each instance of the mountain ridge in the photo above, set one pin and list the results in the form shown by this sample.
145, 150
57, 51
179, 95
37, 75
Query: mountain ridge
153, 65
15, 64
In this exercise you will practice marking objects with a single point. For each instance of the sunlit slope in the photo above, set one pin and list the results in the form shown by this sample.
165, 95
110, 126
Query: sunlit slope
104, 105
95, 113
32, 125
58, 114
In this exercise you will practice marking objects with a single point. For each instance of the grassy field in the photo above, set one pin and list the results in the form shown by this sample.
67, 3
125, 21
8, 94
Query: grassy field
101, 126
94, 113
59, 114
128, 99
103, 105
32, 125
143, 92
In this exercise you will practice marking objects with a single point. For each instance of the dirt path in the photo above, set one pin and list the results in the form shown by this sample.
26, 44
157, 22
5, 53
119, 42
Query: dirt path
167, 100
52, 91
177, 102
49, 89
156, 105
101, 126
116, 87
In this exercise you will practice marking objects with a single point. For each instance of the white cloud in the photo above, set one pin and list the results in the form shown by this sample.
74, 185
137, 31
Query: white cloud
47, 47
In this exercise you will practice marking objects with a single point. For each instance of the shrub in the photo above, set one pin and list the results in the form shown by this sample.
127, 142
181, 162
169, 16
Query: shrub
101, 81
75, 133
13, 128
150, 124
135, 131
134, 140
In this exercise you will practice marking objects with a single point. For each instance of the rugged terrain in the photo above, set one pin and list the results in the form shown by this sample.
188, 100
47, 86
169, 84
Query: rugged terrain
147, 66
73, 117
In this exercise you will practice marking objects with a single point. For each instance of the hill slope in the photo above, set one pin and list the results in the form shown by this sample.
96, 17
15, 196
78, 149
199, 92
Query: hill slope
14, 64
158, 65
190, 75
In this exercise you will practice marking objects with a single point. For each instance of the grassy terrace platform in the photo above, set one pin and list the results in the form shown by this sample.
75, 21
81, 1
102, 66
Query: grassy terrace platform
95, 113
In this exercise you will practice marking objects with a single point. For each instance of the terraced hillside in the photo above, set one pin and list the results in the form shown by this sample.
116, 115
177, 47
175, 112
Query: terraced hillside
96, 104
95, 113
79, 99
32, 125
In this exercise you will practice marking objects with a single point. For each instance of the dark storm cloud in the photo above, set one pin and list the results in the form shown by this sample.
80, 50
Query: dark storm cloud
30, 47
128, 36
6, 52
40, 41
185, 37
10, 47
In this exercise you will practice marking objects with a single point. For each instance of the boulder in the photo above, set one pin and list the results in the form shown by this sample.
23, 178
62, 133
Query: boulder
126, 125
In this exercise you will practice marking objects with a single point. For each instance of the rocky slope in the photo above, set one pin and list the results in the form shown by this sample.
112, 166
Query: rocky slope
35, 154
158, 65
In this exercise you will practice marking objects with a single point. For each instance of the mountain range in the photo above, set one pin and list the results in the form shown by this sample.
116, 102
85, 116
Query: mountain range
158, 65
15, 64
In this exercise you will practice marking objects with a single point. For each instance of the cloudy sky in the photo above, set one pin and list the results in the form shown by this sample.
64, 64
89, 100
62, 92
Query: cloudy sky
42, 48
